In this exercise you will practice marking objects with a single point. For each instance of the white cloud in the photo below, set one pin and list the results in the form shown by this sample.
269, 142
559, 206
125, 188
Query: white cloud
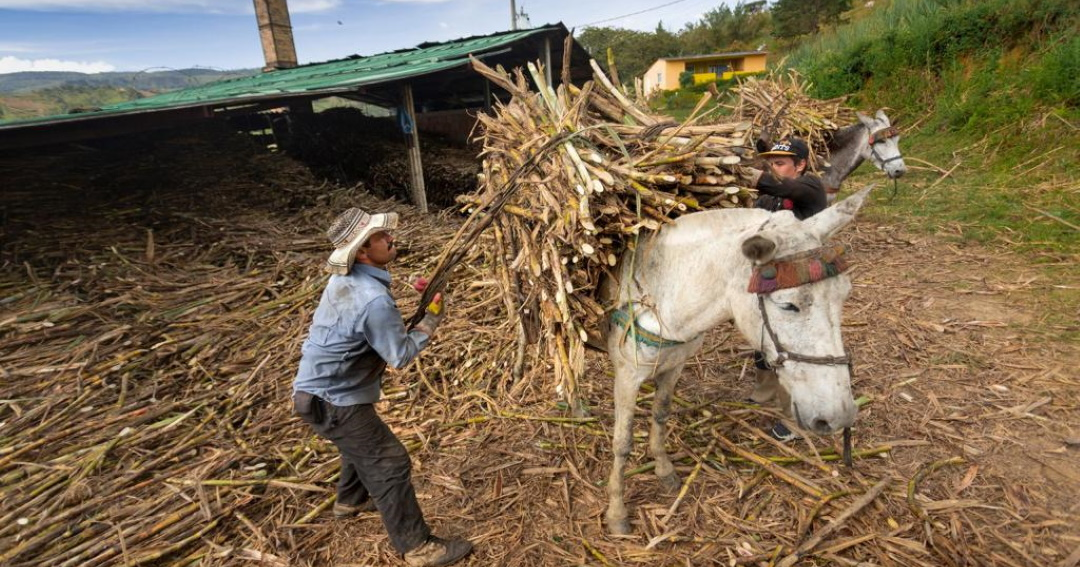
160, 6
444, 25
298, 6
15, 48
12, 64
414, 1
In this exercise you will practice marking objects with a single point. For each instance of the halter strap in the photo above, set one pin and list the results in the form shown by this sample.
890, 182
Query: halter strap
783, 355
882, 135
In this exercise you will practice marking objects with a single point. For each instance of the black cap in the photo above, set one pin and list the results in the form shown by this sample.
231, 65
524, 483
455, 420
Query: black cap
794, 148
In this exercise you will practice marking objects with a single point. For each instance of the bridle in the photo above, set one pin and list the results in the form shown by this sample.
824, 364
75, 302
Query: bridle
812, 273
880, 136
783, 355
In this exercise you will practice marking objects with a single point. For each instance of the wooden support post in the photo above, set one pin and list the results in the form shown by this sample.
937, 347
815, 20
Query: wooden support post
416, 166
546, 58
487, 95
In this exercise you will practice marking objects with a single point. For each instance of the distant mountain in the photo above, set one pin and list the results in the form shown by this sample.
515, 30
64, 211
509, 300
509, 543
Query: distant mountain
155, 81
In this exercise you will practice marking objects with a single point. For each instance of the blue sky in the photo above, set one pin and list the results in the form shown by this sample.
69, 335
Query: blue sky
134, 35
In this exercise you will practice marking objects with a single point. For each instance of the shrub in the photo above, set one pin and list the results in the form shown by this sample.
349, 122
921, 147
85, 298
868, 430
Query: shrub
686, 79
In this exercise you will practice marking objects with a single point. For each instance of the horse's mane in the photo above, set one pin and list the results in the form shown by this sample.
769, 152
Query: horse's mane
839, 138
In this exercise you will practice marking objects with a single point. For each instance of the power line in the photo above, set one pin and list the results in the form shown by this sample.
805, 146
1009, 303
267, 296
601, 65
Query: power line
633, 13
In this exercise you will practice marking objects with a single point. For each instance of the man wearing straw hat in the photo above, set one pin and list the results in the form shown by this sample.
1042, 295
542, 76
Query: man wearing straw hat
787, 185
355, 332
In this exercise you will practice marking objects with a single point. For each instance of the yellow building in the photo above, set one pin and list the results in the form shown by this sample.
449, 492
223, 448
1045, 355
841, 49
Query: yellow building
664, 74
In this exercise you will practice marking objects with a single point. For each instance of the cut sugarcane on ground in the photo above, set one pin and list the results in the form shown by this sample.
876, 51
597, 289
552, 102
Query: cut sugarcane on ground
154, 294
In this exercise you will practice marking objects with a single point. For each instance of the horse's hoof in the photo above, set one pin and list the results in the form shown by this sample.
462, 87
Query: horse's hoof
671, 482
619, 527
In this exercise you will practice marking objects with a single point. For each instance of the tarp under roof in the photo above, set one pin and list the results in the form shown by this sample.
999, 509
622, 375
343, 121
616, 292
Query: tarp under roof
357, 76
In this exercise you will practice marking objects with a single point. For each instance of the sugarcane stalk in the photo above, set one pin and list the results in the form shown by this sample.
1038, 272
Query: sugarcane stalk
626, 105
923, 472
807, 546
789, 477
158, 554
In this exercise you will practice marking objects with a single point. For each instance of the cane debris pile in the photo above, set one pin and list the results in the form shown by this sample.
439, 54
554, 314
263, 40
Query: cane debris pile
154, 294
348, 146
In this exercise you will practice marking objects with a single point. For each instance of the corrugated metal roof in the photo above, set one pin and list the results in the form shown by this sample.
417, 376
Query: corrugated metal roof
715, 55
329, 77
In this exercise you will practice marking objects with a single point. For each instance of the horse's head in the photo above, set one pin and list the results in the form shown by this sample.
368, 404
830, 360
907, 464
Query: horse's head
797, 290
883, 144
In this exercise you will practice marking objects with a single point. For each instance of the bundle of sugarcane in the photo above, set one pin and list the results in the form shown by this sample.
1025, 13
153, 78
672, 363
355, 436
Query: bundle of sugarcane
779, 107
580, 172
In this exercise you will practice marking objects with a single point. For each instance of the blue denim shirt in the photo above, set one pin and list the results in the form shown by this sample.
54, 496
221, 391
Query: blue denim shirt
355, 328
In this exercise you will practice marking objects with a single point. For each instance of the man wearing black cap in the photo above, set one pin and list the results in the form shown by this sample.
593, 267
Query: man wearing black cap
786, 185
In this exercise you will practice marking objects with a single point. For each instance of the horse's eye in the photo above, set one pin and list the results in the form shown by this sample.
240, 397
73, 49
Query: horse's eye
789, 307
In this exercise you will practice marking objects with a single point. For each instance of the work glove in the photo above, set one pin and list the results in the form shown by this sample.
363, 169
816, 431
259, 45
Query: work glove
433, 315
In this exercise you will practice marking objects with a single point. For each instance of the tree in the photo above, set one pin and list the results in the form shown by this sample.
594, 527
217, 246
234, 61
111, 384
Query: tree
634, 50
726, 29
792, 18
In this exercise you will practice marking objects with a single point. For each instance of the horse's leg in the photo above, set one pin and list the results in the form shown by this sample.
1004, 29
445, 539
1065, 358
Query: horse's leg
626, 389
665, 389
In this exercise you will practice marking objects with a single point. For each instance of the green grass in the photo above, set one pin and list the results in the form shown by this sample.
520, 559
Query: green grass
1005, 187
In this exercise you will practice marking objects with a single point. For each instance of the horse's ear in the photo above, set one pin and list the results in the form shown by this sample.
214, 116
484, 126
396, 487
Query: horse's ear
866, 120
831, 220
759, 249
882, 116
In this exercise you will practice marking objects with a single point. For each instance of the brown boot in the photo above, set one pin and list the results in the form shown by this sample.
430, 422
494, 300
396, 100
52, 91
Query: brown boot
437, 551
346, 511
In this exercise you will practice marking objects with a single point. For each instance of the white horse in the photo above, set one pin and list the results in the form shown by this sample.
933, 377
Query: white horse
693, 275
873, 139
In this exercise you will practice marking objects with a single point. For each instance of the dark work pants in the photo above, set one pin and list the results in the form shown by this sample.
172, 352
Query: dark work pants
374, 464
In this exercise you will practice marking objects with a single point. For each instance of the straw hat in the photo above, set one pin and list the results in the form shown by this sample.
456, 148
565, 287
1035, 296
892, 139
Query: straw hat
350, 230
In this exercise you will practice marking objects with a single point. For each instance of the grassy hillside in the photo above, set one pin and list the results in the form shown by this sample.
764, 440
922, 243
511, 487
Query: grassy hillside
987, 97
34, 94
61, 100
30, 81
986, 91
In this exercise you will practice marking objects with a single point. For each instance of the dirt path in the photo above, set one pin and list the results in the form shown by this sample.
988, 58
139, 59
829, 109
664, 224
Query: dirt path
965, 367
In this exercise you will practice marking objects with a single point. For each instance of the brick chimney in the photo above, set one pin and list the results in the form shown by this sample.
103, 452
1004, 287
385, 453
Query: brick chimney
275, 31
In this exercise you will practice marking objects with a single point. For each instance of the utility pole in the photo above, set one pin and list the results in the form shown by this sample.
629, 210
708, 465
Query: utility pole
513, 15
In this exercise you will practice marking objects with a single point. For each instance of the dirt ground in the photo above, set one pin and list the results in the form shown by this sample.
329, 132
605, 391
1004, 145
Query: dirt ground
149, 339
